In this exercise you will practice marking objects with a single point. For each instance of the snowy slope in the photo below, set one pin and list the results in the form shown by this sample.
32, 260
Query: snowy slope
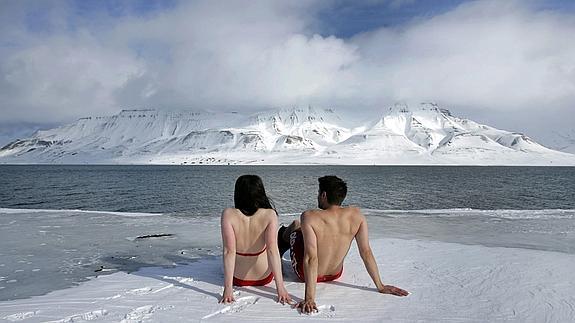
427, 134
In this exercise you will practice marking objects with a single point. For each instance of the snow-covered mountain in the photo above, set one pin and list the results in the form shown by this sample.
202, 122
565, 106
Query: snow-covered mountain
424, 135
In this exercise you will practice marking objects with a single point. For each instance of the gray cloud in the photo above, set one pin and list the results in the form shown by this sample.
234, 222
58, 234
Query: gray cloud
500, 62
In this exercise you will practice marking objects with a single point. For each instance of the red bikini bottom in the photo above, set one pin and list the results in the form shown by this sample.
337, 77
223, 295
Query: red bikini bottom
261, 282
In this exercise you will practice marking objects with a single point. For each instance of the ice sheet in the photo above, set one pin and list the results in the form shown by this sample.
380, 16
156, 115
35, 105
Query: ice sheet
447, 281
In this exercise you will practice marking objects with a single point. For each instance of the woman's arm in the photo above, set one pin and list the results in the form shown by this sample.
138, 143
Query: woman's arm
274, 260
229, 256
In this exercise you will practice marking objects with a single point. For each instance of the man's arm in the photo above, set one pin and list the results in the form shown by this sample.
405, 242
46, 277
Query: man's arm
309, 265
229, 256
366, 254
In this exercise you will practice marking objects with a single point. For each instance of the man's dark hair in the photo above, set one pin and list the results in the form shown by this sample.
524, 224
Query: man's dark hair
334, 187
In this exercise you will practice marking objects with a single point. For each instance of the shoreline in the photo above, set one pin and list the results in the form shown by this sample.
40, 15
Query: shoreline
514, 165
447, 281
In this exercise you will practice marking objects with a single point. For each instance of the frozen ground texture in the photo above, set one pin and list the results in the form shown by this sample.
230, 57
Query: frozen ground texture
448, 282
424, 135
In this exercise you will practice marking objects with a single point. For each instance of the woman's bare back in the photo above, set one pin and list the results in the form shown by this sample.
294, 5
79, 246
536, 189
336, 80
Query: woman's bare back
249, 232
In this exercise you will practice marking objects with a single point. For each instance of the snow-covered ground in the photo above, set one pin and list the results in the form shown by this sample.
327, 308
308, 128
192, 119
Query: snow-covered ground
447, 282
460, 265
425, 135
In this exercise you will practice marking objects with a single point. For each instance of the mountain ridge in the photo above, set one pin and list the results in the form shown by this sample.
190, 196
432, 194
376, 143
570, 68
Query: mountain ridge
426, 135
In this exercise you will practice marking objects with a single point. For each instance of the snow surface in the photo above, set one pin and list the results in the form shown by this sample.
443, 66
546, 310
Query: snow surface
422, 136
447, 281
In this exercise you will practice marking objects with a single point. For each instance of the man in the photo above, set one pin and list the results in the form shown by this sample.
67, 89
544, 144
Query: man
319, 244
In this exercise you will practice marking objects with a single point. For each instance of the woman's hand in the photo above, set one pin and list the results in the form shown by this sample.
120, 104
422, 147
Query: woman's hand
227, 297
283, 297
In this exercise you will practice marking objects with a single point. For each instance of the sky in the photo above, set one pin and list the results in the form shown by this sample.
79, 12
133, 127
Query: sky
505, 63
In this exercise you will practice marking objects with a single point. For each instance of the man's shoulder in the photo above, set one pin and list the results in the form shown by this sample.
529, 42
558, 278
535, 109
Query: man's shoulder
353, 208
353, 214
328, 211
353, 211
311, 213
350, 210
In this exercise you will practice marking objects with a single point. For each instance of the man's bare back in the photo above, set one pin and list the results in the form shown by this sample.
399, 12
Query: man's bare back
334, 230
327, 234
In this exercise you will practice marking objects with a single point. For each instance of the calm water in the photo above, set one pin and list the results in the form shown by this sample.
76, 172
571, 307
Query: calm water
41, 251
204, 190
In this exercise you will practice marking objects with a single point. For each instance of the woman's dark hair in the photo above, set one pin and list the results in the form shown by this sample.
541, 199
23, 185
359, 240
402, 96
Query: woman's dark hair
250, 195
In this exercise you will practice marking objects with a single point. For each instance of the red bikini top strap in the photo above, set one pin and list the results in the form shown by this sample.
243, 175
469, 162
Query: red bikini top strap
245, 254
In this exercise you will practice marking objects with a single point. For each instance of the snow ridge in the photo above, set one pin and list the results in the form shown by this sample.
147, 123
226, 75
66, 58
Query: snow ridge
427, 134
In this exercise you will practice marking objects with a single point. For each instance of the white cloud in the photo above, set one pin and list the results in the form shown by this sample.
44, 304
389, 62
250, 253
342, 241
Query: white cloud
482, 56
62, 79
222, 57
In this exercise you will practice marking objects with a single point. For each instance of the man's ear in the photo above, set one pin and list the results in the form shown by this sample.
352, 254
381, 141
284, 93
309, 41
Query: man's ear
324, 195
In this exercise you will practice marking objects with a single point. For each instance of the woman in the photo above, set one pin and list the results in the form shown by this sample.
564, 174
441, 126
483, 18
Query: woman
249, 236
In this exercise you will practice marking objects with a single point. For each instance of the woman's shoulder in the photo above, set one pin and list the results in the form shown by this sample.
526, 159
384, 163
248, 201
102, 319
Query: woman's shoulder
229, 211
267, 212
261, 212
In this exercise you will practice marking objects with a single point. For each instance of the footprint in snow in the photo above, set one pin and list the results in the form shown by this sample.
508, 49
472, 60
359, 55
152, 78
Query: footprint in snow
88, 316
140, 291
325, 311
143, 313
20, 316
238, 306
